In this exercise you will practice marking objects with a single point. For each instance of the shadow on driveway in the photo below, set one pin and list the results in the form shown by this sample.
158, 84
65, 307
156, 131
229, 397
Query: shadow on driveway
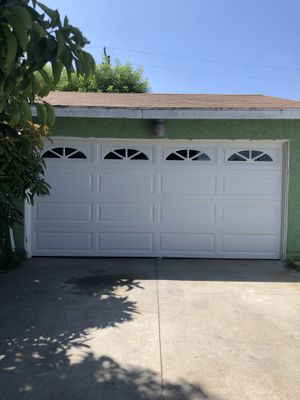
48, 315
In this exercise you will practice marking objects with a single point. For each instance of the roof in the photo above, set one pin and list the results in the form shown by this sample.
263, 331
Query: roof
170, 101
172, 106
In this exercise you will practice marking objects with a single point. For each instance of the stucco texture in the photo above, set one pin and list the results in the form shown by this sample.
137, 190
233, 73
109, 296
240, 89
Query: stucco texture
206, 129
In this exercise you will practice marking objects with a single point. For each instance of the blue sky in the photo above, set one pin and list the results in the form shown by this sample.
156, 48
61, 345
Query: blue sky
198, 46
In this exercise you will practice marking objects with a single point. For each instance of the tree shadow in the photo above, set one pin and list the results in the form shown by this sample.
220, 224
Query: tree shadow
38, 343
52, 376
106, 292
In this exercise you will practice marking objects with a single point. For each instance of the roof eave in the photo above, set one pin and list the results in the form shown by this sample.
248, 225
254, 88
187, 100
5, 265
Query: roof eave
173, 113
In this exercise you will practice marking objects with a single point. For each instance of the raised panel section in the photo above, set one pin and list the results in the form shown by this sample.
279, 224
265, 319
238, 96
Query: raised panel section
256, 213
126, 184
58, 211
247, 243
126, 241
253, 185
187, 212
69, 181
126, 212
195, 242
187, 184
63, 241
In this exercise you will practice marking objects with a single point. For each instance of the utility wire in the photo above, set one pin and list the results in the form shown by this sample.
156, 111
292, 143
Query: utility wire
218, 74
198, 58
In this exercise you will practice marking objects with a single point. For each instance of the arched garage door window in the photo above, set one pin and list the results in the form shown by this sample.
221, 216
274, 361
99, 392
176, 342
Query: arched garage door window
64, 152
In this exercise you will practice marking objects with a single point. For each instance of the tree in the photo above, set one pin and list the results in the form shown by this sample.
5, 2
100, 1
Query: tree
117, 78
31, 36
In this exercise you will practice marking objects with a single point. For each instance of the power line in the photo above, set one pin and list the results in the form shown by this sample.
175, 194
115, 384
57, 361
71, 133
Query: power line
198, 58
219, 74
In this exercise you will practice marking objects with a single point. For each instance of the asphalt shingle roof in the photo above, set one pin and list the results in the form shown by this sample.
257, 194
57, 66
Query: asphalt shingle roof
170, 101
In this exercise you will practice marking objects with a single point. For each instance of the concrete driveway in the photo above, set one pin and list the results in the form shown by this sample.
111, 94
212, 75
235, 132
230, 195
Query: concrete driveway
106, 329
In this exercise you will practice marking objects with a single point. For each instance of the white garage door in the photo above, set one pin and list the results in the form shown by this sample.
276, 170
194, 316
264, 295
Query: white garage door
219, 199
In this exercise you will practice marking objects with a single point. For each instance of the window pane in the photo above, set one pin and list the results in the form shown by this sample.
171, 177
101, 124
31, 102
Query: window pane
140, 156
236, 157
264, 157
193, 153
202, 157
49, 154
174, 156
255, 153
112, 156
245, 153
69, 150
78, 154
131, 152
59, 150
122, 152
183, 153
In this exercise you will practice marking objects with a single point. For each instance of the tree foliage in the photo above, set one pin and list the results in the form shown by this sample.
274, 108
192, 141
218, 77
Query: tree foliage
31, 36
117, 78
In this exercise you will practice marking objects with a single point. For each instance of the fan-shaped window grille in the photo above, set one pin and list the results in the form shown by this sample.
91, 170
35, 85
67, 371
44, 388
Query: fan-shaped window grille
126, 154
250, 155
64, 152
188, 155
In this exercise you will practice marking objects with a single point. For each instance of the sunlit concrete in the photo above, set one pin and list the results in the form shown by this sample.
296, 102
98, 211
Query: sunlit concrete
100, 329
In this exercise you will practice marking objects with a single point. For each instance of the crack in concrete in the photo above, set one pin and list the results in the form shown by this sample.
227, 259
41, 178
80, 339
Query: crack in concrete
158, 262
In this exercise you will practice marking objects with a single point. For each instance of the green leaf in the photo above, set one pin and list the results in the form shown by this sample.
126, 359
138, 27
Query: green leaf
18, 27
23, 15
67, 58
47, 10
66, 21
60, 43
45, 76
25, 110
44, 91
50, 114
41, 113
79, 66
88, 64
39, 30
15, 114
2, 105
57, 67
11, 48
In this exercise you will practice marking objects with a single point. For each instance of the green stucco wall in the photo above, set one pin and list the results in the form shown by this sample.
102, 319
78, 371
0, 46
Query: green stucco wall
206, 129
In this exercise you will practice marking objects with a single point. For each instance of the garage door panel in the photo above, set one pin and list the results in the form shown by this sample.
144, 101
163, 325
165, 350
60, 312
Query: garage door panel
188, 184
249, 243
186, 213
69, 181
260, 214
60, 241
179, 242
251, 185
63, 211
126, 184
127, 241
126, 212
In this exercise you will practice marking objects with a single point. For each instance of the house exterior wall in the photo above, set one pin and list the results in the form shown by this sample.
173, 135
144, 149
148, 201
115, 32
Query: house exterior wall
205, 129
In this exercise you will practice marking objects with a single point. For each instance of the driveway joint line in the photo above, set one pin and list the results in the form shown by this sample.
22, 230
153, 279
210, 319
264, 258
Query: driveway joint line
158, 262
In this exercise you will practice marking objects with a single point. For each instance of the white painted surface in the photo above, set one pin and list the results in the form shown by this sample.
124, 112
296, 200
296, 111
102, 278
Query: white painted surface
155, 207
179, 113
